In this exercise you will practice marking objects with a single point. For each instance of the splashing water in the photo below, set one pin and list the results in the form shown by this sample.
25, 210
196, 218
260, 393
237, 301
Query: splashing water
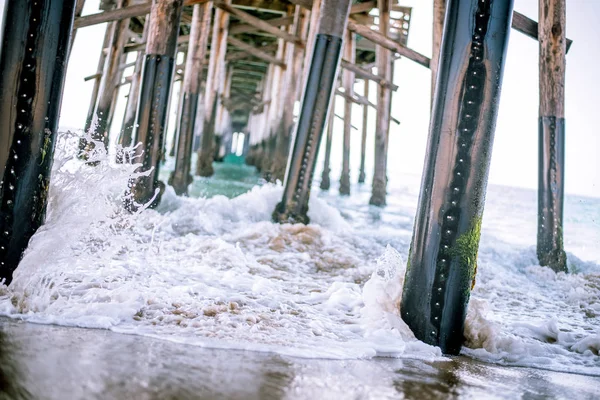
217, 272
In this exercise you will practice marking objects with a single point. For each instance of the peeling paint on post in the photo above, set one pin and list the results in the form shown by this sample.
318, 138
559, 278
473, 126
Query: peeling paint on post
445, 239
156, 81
33, 64
313, 113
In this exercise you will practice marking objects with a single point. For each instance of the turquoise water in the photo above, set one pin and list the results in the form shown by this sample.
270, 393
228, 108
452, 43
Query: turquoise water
232, 178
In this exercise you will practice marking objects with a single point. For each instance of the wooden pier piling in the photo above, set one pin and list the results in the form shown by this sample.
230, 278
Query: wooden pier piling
127, 129
348, 84
111, 74
212, 93
97, 81
551, 157
384, 103
181, 177
293, 87
315, 104
33, 64
442, 261
156, 82
363, 141
325, 179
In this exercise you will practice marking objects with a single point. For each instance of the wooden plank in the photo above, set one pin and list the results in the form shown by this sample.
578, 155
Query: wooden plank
259, 23
255, 52
529, 27
387, 43
364, 74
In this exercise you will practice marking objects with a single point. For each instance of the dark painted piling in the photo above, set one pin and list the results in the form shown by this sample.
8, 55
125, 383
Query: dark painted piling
33, 64
551, 158
181, 176
443, 257
313, 115
156, 81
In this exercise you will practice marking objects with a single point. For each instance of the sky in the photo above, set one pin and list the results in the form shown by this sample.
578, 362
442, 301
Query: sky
514, 157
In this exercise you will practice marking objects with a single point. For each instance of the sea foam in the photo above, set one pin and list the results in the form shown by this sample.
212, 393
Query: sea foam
217, 272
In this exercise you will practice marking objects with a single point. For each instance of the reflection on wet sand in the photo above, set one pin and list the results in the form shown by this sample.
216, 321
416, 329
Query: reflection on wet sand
51, 362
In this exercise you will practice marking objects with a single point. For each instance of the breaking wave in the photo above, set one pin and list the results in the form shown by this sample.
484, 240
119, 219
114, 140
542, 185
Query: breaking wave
217, 272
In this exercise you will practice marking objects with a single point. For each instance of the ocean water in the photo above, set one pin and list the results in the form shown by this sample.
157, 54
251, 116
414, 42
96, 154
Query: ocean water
214, 271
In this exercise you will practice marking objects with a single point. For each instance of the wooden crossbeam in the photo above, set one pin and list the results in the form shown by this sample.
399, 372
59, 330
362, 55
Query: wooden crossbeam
242, 55
362, 100
259, 23
122, 13
387, 43
529, 27
364, 74
238, 28
255, 52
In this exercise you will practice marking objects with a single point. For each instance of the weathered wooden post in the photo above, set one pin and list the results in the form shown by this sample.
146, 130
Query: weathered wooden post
315, 104
126, 134
443, 257
156, 81
325, 179
35, 47
212, 92
348, 83
363, 141
110, 78
200, 30
384, 102
551, 27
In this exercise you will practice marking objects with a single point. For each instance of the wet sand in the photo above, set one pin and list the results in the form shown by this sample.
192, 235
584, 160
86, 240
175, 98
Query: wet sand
52, 362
